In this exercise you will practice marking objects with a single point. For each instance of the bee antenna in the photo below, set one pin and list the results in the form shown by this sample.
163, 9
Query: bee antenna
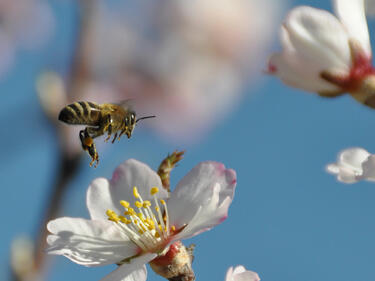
145, 117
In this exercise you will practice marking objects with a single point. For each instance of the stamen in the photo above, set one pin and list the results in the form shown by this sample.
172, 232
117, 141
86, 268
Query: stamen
125, 204
135, 192
154, 190
144, 227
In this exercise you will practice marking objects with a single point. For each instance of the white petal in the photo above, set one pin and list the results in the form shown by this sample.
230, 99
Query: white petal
349, 165
368, 167
352, 15
318, 35
133, 271
353, 157
239, 269
103, 194
241, 274
202, 198
246, 276
88, 242
299, 72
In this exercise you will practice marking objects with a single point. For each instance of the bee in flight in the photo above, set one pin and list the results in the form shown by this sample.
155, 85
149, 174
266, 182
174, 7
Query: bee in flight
100, 119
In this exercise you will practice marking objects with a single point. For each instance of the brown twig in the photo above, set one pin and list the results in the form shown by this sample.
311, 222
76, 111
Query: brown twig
69, 163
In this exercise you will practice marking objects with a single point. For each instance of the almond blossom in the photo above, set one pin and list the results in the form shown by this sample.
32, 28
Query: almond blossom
239, 273
327, 54
353, 164
134, 221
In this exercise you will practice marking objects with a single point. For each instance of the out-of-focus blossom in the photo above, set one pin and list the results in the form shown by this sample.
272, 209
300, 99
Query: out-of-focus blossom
184, 61
147, 226
326, 54
353, 165
22, 258
24, 24
239, 273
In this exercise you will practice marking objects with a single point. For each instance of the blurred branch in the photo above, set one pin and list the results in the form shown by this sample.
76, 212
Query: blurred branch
69, 162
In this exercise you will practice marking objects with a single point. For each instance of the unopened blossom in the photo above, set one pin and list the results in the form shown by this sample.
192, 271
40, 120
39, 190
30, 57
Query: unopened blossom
327, 54
353, 164
133, 222
239, 273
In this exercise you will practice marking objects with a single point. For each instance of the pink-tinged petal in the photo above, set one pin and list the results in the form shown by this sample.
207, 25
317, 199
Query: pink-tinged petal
103, 194
352, 15
89, 242
241, 274
202, 198
135, 270
318, 35
293, 71
291, 67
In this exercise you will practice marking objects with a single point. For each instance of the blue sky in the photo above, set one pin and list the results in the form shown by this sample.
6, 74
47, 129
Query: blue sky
289, 220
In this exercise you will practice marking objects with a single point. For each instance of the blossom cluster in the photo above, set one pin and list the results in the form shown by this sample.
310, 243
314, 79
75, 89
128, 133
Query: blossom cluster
135, 219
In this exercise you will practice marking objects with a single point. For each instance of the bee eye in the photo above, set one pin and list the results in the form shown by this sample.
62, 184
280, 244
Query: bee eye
132, 118
126, 120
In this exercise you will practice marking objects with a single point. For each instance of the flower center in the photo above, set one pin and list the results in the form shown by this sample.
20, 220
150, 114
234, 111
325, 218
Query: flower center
148, 227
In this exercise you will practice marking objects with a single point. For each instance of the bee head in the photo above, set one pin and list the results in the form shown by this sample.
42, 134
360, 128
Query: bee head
130, 122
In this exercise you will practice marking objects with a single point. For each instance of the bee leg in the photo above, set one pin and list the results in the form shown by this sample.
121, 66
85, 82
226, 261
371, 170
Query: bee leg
88, 145
106, 126
114, 138
94, 155
109, 130
122, 132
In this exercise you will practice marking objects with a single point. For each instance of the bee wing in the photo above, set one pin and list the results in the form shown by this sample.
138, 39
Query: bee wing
126, 104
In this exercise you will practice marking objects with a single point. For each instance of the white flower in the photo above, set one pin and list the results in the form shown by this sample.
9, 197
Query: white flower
326, 54
239, 273
134, 232
353, 165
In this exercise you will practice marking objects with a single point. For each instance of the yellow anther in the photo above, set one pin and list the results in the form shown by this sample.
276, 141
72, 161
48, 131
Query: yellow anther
109, 213
125, 204
123, 219
154, 190
162, 201
135, 192
140, 215
130, 212
173, 228
146, 204
157, 208
112, 216
138, 204
140, 232
157, 235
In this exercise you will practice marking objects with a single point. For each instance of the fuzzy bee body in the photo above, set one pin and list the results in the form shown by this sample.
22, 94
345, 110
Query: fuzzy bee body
81, 113
100, 119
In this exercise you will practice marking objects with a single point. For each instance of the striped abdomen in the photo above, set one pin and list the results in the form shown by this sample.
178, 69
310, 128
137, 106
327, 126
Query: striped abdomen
81, 113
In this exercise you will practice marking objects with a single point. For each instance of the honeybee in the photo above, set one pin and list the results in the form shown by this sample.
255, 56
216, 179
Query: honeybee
100, 119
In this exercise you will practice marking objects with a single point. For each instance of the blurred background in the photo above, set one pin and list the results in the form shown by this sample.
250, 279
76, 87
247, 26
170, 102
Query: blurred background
199, 67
